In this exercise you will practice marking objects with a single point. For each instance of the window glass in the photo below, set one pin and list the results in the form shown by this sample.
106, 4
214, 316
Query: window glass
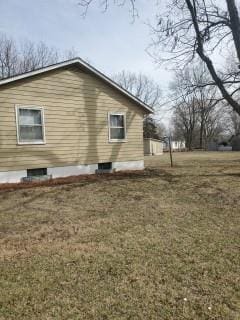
117, 133
116, 120
31, 133
30, 126
29, 117
117, 127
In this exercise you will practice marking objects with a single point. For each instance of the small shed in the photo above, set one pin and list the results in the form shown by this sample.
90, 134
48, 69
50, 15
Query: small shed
152, 147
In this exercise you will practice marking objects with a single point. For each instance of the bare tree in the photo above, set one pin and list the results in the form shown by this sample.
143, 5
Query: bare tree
184, 121
235, 123
8, 57
232, 122
104, 4
33, 56
205, 97
27, 56
148, 91
202, 28
71, 54
190, 28
214, 127
186, 124
141, 86
197, 112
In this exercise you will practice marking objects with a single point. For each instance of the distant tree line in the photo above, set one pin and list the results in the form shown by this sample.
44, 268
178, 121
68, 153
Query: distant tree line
17, 58
199, 115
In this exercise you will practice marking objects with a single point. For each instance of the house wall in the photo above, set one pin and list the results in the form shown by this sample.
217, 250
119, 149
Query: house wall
76, 106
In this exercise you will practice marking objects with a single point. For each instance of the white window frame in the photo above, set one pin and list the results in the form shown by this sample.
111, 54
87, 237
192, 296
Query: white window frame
29, 107
125, 126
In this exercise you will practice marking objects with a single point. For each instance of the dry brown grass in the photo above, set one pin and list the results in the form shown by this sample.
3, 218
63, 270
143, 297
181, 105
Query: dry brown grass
161, 244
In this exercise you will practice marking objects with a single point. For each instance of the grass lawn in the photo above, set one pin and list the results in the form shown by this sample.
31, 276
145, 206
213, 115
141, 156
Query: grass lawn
160, 244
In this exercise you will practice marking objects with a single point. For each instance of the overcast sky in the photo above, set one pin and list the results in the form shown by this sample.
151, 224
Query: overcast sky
110, 41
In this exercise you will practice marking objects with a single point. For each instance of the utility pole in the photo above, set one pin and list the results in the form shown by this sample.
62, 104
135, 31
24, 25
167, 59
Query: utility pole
168, 140
170, 150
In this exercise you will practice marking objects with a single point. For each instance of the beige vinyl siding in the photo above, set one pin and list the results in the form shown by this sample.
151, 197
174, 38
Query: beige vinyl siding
76, 107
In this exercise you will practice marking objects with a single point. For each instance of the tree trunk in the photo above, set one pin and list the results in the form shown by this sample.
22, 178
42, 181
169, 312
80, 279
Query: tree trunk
201, 52
235, 24
189, 140
201, 136
190, 143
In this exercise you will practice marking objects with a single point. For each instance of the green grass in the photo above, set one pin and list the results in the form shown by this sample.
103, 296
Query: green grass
162, 244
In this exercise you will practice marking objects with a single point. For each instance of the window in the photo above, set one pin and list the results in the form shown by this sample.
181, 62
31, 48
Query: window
105, 166
30, 125
36, 172
117, 126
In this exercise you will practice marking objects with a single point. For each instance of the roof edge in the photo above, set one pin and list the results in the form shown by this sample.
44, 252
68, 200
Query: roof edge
87, 66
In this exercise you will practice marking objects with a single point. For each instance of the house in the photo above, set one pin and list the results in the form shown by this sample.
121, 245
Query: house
152, 147
177, 145
68, 119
